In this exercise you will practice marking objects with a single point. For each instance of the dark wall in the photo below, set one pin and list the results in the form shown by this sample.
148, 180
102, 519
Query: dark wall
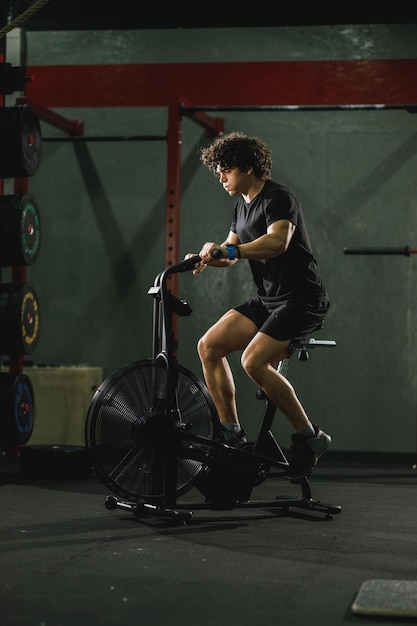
103, 216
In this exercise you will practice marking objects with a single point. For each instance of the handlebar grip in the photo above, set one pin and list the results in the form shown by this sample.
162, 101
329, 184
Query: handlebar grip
186, 265
405, 250
217, 253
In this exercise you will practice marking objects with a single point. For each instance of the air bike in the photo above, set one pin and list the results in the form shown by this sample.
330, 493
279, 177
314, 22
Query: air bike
153, 433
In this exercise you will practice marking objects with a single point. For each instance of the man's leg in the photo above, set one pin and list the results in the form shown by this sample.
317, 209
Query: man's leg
258, 361
233, 331
308, 441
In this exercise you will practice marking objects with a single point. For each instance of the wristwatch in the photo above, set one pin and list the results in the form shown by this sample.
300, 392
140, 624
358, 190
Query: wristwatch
232, 249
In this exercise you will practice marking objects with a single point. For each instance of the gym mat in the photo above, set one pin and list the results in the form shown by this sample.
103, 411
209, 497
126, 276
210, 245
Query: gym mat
387, 597
54, 462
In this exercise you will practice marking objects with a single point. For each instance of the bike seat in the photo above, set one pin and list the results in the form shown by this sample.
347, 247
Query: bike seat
309, 343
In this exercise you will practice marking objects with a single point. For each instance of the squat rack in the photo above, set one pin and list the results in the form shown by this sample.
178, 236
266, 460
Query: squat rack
179, 108
354, 85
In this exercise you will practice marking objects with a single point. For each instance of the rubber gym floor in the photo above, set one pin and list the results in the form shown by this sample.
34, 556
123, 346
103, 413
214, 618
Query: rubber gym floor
66, 559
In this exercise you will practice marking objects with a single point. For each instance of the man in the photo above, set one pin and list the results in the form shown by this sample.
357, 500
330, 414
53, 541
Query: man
268, 230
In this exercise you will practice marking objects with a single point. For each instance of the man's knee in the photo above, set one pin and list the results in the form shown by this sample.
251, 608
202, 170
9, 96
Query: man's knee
202, 347
211, 346
206, 347
250, 364
254, 362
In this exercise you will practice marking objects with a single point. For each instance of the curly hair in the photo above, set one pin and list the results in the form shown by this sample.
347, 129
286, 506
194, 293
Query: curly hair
238, 150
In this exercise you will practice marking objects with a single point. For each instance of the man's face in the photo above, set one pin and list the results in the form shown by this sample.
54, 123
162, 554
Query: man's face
234, 181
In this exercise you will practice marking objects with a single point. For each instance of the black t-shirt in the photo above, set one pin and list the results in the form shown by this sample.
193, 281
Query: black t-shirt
293, 275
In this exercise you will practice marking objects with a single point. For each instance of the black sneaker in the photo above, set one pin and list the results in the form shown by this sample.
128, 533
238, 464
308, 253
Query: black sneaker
233, 439
305, 452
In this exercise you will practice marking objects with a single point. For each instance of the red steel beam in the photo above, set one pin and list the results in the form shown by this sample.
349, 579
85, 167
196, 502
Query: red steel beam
389, 82
172, 212
72, 127
213, 126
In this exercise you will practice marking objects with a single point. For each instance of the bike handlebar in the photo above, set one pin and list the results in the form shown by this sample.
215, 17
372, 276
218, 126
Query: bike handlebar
184, 266
217, 253
189, 264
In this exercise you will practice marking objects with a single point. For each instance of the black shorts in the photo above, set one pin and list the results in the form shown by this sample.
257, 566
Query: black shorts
290, 320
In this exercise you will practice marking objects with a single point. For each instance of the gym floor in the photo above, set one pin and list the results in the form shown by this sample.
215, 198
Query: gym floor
66, 559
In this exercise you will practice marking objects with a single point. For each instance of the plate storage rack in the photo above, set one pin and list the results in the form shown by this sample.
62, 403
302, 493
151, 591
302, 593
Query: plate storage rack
20, 240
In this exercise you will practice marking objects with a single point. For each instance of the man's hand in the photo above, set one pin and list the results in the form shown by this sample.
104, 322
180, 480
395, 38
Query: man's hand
210, 254
206, 252
198, 268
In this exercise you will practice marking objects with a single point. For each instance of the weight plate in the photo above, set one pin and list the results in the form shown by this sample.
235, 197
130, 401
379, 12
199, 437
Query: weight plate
20, 141
17, 409
19, 318
20, 234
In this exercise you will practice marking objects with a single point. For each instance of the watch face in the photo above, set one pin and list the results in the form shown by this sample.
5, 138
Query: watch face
231, 251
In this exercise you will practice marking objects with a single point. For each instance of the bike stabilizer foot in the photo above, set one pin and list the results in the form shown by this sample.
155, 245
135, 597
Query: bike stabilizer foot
141, 509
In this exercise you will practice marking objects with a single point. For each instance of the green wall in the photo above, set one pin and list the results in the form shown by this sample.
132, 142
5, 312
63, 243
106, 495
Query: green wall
103, 225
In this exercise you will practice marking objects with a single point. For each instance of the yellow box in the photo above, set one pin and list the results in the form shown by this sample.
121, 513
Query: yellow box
62, 396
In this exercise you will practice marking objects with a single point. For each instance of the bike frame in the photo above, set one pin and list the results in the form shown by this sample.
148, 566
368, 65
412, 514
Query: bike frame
250, 463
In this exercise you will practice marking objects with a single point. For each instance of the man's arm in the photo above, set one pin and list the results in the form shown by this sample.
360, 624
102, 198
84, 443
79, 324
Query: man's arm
274, 243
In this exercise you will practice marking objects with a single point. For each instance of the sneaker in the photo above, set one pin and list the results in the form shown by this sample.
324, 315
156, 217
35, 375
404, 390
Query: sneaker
305, 452
233, 439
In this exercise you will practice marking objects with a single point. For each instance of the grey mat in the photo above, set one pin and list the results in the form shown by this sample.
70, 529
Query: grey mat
387, 597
